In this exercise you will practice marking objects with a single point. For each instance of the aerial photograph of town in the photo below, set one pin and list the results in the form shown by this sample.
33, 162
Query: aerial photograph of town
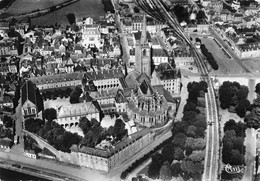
129, 90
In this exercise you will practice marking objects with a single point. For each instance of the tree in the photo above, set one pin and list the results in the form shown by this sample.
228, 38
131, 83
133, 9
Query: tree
189, 117
239, 145
176, 169
178, 154
179, 127
241, 108
88, 140
187, 166
8, 121
136, 9
257, 89
197, 155
242, 92
179, 139
50, 114
188, 151
111, 130
199, 144
198, 40
119, 129
190, 106
75, 94
195, 144
165, 172
33, 125
124, 175
167, 151
71, 18
153, 171
237, 158
191, 131
201, 15
84, 124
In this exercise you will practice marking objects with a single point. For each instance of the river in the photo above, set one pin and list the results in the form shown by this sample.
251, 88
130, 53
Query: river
8, 175
82, 8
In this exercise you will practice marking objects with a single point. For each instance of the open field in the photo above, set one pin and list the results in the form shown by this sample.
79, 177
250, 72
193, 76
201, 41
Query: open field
82, 8
252, 64
23, 6
226, 64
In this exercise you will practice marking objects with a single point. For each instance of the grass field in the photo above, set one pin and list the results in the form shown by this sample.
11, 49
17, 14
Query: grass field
82, 8
23, 6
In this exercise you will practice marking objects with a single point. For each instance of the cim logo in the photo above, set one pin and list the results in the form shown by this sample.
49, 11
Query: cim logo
234, 169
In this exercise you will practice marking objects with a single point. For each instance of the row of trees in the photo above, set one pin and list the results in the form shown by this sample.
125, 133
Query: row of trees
140, 161
233, 96
209, 57
233, 151
185, 154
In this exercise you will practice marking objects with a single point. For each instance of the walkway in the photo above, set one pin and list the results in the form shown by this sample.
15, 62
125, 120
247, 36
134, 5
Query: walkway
184, 93
250, 144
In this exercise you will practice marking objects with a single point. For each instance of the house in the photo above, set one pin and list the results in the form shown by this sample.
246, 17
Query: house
30, 154
248, 21
238, 17
168, 77
159, 56
31, 100
6, 143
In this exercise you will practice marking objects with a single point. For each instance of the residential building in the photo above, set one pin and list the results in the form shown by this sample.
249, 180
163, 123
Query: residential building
30, 154
159, 56
6, 143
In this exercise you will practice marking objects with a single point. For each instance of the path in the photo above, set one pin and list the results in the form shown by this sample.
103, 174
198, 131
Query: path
250, 144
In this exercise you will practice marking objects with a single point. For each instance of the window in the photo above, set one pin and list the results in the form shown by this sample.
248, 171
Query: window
33, 111
25, 112
29, 110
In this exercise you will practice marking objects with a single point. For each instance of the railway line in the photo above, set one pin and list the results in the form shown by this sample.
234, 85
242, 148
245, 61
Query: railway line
159, 10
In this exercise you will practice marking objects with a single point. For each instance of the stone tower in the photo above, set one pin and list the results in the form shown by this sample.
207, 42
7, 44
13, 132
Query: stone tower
143, 52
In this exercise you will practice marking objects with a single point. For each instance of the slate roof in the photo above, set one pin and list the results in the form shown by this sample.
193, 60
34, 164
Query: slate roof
131, 79
105, 74
57, 78
159, 53
78, 109
28, 92
6, 142
168, 75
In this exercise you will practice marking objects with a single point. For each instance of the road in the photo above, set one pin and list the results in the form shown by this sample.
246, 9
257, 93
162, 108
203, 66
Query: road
212, 149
